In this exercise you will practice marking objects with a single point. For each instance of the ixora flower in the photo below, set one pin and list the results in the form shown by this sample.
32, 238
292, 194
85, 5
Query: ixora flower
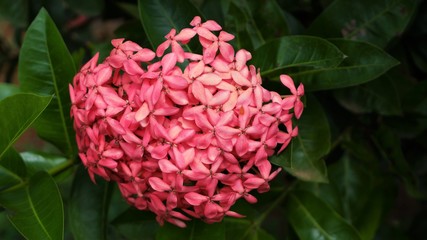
182, 141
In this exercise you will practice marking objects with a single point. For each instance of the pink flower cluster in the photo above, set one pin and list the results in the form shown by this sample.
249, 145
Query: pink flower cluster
182, 134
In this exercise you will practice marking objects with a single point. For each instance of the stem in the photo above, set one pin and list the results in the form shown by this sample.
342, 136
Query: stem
53, 171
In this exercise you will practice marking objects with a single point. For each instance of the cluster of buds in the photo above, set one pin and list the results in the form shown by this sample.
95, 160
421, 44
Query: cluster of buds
182, 141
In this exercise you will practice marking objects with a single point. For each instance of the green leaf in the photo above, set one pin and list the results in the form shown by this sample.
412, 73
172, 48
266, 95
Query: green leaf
12, 168
241, 24
36, 210
19, 112
274, 57
390, 148
196, 230
303, 158
373, 21
311, 218
379, 96
212, 9
159, 17
364, 63
46, 68
7, 90
133, 223
131, 9
269, 18
15, 11
88, 207
89, 8
244, 229
40, 161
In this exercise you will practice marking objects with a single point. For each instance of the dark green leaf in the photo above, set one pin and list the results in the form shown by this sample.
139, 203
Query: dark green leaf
159, 17
89, 8
379, 96
15, 11
240, 22
389, 146
131, 9
364, 63
88, 207
19, 112
7, 89
12, 168
39, 161
269, 18
46, 67
194, 231
244, 229
36, 210
212, 9
274, 57
313, 219
374, 21
303, 158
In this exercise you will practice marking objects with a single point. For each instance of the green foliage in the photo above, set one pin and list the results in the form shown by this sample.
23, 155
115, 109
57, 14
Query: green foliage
356, 170
304, 157
36, 210
46, 68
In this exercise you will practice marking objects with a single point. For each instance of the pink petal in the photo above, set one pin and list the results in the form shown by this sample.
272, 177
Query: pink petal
211, 25
113, 153
176, 82
158, 184
167, 167
178, 97
289, 83
185, 35
239, 79
142, 112
198, 91
227, 51
209, 79
253, 182
168, 62
226, 132
195, 199
242, 145
103, 75
219, 98
162, 47
116, 126
144, 55
108, 163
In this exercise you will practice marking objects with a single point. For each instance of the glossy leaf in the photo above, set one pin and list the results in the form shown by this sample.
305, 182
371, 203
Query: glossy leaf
88, 207
36, 210
15, 11
159, 17
269, 18
131, 9
390, 148
245, 229
241, 24
7, 89
364, 63
303, 158
89, 8
275, 57
379, 96
41, 161
46, 68
311, 218
373, 21
12, 169
19, 112
195, 230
